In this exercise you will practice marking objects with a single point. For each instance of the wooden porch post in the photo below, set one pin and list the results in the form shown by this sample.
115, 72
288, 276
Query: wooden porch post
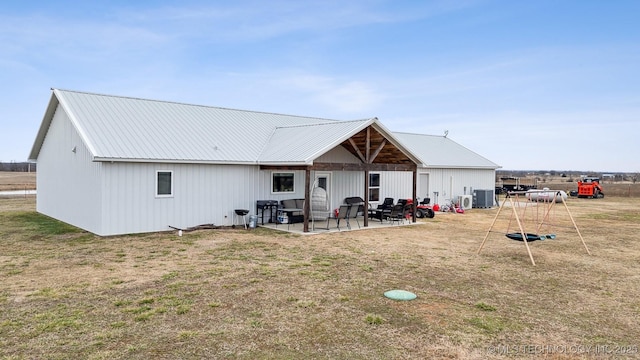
415, 193
366, 198
307, 200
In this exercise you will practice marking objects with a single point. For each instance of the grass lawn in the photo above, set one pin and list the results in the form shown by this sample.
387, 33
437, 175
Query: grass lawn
264, 294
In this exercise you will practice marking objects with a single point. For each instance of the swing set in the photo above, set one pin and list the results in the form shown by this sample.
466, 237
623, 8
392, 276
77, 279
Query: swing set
545, 215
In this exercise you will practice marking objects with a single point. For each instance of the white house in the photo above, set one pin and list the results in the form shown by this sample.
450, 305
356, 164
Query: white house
116, 165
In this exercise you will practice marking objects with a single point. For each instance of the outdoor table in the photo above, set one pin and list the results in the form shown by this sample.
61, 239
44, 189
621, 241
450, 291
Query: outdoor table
289, 212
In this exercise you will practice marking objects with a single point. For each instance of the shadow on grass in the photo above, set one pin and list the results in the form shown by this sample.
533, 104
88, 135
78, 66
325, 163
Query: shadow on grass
40, 225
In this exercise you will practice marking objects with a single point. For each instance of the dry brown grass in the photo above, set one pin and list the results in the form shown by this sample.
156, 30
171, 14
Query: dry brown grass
17, 180
264, 294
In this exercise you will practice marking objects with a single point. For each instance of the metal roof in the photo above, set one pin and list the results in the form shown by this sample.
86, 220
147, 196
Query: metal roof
304, 143
440, 152
116, 128
129, 129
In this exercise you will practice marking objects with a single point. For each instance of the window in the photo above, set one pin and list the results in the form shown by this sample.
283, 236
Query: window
374, 187
164, 183
282, 182
322, 182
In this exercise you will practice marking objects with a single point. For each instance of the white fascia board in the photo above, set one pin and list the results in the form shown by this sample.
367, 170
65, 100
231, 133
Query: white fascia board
44, 128
281, 163
75, 123
459, 167
172, 161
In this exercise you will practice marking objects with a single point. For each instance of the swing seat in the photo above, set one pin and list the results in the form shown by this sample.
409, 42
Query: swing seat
530, 237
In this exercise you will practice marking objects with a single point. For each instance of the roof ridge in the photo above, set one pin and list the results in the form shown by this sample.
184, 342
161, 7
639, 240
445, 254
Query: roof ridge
412, 133
190, 104
331, 122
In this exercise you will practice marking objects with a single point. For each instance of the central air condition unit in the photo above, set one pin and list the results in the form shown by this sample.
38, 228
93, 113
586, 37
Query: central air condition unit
465, 201
482, 198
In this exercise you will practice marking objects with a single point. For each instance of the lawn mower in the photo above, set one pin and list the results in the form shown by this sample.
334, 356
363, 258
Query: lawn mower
423, 209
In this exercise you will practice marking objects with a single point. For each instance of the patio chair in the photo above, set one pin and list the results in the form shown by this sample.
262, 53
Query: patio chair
353, 200
319, 207
343, 213
397, 213
382, 211
353, 214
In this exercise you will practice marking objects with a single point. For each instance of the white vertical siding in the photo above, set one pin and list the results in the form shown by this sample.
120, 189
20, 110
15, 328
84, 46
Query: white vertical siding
451, 183
346, 184
338, 155
202, 194
396, 185
68, 182
205, 194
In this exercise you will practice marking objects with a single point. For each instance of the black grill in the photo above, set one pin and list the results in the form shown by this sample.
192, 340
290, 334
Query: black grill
267, 208
264, 204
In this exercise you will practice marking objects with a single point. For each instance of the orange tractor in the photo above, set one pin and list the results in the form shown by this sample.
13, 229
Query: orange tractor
590, 188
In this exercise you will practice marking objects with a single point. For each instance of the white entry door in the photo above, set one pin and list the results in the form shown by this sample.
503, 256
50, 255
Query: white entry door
323, 180
423, 186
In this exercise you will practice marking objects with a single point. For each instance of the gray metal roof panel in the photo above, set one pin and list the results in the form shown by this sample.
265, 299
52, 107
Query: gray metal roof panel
440, 151
304, 143
130, 129
138, 129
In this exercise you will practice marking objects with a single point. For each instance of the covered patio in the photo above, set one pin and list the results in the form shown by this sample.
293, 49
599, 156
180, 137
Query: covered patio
321, 226
375, 149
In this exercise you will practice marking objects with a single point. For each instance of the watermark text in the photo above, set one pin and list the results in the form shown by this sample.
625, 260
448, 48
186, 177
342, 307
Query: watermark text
508, 349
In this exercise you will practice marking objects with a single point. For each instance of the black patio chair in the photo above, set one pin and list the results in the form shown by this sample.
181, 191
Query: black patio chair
382, 211
397, 213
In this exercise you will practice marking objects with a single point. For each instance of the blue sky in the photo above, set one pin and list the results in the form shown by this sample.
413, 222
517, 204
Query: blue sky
544, 85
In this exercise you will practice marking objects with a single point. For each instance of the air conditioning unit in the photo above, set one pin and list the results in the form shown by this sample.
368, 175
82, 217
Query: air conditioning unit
482, 198
465, 201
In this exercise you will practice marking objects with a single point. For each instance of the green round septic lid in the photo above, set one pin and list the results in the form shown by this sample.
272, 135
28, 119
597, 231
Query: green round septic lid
400, 295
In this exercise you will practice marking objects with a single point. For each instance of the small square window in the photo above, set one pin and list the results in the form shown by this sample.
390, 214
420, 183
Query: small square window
164, 183
374, 187
282, 182
374, 180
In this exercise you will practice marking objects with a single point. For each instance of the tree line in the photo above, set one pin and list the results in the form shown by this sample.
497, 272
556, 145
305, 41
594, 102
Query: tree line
18, 166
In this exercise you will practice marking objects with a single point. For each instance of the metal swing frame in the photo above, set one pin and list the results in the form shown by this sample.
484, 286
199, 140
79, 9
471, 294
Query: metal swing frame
516, 194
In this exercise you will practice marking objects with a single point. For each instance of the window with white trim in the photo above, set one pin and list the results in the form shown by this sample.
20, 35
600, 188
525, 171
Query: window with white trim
374, 187
282, 182
164, 183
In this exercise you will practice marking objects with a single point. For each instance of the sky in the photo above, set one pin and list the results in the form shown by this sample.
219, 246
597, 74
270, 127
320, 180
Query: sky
530, 85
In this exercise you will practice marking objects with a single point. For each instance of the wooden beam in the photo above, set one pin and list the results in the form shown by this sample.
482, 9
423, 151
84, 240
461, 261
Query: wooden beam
355, 147
366, 198
375, 153
362, 167
368, 146
414, 207
307, 199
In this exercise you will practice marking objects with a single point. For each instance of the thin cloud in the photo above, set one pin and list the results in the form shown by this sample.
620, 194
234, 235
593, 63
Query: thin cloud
344, 96
259, 20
